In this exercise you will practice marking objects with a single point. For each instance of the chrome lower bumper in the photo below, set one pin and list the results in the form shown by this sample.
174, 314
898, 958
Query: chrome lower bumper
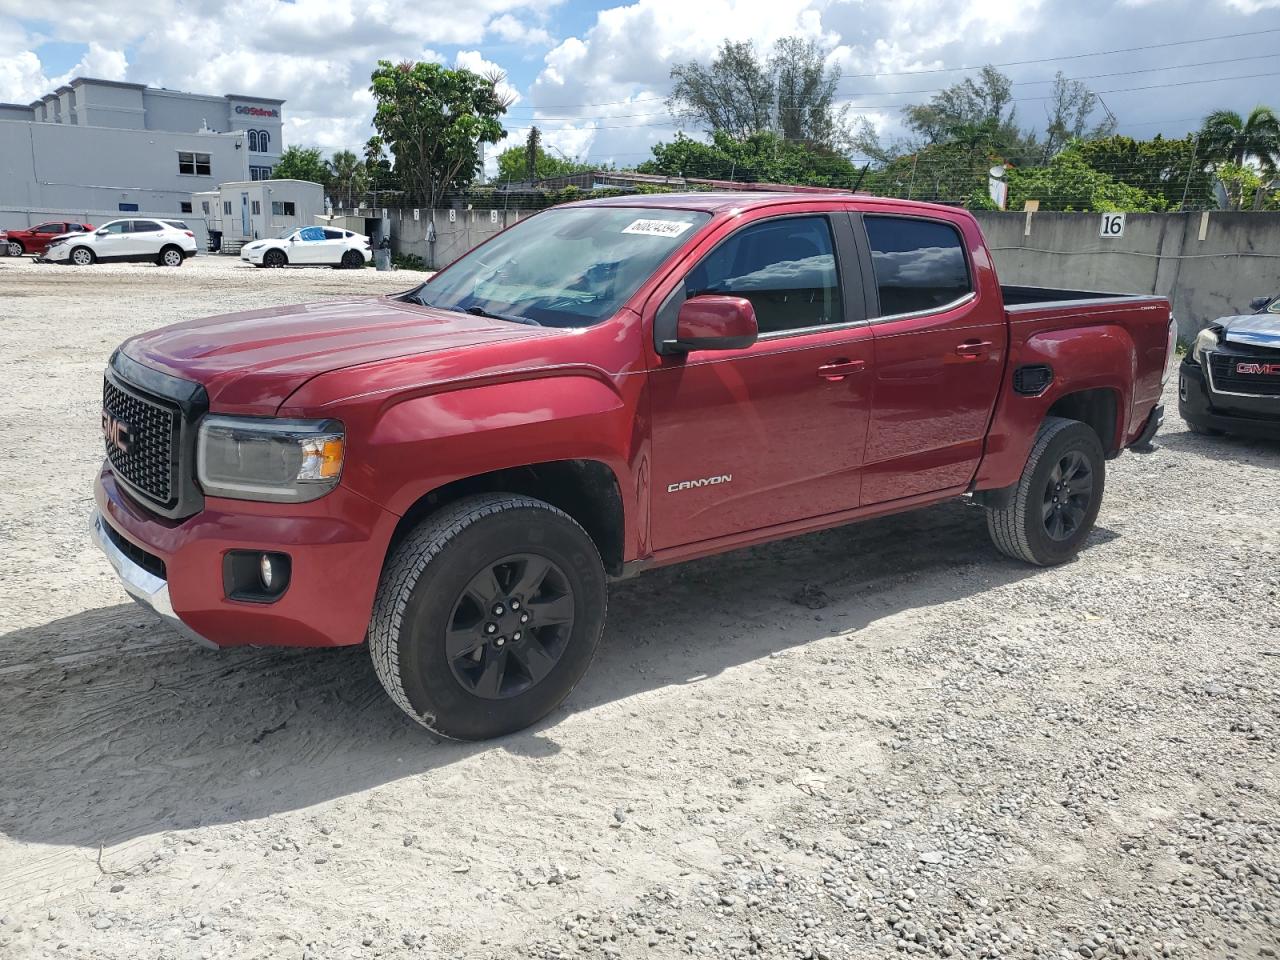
141, 584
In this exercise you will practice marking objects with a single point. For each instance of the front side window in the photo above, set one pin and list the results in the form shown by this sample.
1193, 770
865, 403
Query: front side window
785, 267
566, 267
50, 228
118, 226
311, 233
919, 264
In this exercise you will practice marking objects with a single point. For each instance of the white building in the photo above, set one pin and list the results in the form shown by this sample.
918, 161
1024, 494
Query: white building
99, 148
254, 209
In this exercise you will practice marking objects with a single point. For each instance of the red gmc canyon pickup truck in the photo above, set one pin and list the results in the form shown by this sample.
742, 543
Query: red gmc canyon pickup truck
454, 473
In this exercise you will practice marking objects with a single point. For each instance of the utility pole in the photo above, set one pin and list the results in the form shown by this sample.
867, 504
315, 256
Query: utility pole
1195, 145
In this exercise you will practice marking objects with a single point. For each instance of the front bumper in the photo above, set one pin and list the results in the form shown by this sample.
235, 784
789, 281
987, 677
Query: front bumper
1199, 405
336, 546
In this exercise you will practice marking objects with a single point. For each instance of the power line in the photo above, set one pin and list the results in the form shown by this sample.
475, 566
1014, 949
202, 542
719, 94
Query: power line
869, 107
1008, 63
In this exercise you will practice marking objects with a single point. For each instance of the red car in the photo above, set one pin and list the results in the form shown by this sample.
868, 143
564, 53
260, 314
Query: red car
455, 472
33, 241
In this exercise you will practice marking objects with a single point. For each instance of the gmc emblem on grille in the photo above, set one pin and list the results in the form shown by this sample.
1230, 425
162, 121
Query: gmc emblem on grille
118, 434
1265, 369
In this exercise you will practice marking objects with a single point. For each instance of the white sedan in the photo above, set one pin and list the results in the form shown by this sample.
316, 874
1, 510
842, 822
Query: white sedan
310, 246
166, 243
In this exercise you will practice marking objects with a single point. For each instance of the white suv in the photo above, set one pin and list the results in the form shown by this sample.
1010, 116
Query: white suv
166, 243
310, 246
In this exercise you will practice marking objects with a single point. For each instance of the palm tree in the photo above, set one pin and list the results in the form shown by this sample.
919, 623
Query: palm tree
1227, 137
347, 174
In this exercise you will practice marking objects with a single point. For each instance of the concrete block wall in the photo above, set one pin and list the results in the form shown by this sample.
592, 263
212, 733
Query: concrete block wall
1209, 264
467, 228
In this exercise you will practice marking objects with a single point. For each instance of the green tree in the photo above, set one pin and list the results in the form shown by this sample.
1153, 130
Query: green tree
301, 163
532, 147
762, 157
1068, 182
513, 164
433, 119
791, 94
1171, 171
952, 172
1071, 106
346, 176
1227, 137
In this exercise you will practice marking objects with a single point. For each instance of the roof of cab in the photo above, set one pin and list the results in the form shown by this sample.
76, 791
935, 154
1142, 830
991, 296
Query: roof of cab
737, 201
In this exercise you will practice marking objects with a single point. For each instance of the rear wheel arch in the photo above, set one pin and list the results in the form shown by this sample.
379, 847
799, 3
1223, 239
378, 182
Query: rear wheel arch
1099, 408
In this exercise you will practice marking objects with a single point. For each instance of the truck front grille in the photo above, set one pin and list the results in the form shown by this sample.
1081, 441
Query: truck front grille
148, 432
1256, 376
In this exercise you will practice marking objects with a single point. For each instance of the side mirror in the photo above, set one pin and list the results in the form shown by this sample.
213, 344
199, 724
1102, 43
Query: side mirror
1257, 303
101, 233
713, 322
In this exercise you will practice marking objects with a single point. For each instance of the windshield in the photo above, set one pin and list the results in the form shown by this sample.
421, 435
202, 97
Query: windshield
569, 267
286, 233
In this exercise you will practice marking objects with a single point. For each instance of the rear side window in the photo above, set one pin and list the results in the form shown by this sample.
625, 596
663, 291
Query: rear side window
785, 267
919, 264
333, 234
145, 226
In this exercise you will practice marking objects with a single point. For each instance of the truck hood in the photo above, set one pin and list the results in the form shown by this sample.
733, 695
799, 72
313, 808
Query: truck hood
251, 362
1252, 330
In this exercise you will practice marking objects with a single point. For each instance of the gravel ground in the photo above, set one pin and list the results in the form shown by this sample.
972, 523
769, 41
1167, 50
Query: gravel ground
880, 739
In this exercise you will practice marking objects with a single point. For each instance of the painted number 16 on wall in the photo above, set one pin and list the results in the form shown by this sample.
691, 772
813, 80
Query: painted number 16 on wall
1112, 226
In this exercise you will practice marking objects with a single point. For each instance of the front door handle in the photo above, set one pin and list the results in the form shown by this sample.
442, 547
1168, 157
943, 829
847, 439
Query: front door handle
837, 370
973, 349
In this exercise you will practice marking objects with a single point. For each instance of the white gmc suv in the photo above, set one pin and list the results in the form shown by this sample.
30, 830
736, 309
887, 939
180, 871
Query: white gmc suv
166, 243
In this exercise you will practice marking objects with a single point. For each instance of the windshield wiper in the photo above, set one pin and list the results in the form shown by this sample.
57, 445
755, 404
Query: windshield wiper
482, 312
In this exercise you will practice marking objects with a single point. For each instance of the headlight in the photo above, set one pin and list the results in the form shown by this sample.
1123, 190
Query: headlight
1206, 339
283, 461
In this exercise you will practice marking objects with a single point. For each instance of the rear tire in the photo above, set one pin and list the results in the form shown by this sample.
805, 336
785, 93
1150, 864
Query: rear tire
170, 257
274, 258
352, 260
1056, 500
487, 615
82, 257
16, 249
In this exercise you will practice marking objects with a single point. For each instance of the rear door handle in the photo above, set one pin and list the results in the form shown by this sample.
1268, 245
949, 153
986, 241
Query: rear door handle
839, 369
973, 348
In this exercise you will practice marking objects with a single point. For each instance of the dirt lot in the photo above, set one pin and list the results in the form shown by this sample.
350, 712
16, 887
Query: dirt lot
879, 739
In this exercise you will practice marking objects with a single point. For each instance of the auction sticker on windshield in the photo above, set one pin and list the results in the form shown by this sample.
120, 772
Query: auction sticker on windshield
657, 228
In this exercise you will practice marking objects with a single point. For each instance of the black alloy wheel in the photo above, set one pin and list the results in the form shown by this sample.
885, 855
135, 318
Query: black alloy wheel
510, 626
1067, 496
274, 258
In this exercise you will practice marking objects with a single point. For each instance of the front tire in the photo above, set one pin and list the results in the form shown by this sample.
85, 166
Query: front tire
1056, 500
487, 615
82, 257
16, 249
274, 258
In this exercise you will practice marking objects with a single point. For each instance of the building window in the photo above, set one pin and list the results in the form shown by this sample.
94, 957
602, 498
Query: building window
194, 164
259, 173
264, 141
128, 208
282, 208
257, 208
204, 206
184, 206
226, 208
253, 141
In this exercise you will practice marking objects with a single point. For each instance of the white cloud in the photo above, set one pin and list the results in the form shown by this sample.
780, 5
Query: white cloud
513, 30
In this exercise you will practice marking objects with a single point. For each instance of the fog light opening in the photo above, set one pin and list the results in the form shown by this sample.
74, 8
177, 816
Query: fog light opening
255, 576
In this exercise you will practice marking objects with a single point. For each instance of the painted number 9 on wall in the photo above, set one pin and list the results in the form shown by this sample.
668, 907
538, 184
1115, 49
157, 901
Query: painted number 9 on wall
1112, 225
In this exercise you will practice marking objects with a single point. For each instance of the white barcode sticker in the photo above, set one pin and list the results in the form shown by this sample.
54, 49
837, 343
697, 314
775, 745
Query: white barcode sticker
658, 228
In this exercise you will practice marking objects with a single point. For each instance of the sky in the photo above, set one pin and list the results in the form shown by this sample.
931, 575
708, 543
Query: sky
594, 77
